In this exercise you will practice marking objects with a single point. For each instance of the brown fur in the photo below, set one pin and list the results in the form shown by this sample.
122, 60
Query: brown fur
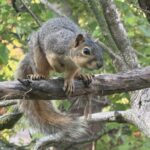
57, 46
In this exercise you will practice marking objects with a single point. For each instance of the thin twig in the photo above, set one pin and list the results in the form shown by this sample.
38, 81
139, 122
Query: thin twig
6, 103
52, 7
112, 54
31, 13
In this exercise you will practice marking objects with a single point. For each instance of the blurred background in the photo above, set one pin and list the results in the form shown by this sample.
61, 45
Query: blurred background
18, 19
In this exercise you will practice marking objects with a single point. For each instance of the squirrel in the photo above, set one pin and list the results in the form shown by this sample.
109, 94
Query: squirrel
61, 46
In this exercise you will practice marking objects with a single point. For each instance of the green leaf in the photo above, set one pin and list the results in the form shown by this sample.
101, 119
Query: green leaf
145, 29
3, 54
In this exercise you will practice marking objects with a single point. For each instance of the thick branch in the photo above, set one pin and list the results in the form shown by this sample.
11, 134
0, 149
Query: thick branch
9, 120
53, 88
140, 100
102, 23
107, 34
119, 33
53, 140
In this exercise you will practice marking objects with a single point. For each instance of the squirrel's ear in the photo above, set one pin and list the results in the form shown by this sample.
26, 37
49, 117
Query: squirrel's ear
79, 40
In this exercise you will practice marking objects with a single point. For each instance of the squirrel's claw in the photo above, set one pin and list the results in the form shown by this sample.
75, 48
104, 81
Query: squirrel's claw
87, 79
68, 87
35, 77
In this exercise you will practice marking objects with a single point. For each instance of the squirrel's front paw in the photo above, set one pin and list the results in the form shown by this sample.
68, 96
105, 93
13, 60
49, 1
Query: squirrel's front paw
87, 79
68, 87
35, 77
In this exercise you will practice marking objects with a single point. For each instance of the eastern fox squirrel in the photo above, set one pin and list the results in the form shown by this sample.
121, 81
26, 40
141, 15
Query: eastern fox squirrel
59, 45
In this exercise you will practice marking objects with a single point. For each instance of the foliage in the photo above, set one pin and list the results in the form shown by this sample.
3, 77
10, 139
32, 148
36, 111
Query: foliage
16, 27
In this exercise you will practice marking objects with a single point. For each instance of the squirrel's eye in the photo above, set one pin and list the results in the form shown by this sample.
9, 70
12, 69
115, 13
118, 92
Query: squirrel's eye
86, 51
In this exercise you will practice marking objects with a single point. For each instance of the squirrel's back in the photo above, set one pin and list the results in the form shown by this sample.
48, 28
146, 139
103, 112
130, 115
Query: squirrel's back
57, 34
56, 24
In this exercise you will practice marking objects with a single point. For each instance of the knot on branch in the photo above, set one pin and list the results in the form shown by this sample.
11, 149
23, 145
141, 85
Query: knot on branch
25, 82
119, 117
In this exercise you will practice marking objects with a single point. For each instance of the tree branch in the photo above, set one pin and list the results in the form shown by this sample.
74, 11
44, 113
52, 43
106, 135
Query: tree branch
9, 120
116, 59
99, 15
53, 140
102, 23
117, 116
31, 13
6, 103
140, 100
53, 88
52, 7
119, 33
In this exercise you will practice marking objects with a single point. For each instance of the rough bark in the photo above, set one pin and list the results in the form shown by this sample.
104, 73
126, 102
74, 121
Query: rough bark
140, 100
9, 120
53, 89
102, 23
119, 33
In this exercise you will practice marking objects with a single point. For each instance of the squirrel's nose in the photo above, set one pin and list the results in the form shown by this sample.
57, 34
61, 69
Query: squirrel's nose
99, 65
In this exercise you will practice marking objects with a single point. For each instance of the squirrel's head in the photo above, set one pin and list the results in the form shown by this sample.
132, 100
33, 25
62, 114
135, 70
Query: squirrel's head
87, 53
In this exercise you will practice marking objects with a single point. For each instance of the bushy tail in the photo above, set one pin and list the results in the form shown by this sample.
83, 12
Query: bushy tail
43, 115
